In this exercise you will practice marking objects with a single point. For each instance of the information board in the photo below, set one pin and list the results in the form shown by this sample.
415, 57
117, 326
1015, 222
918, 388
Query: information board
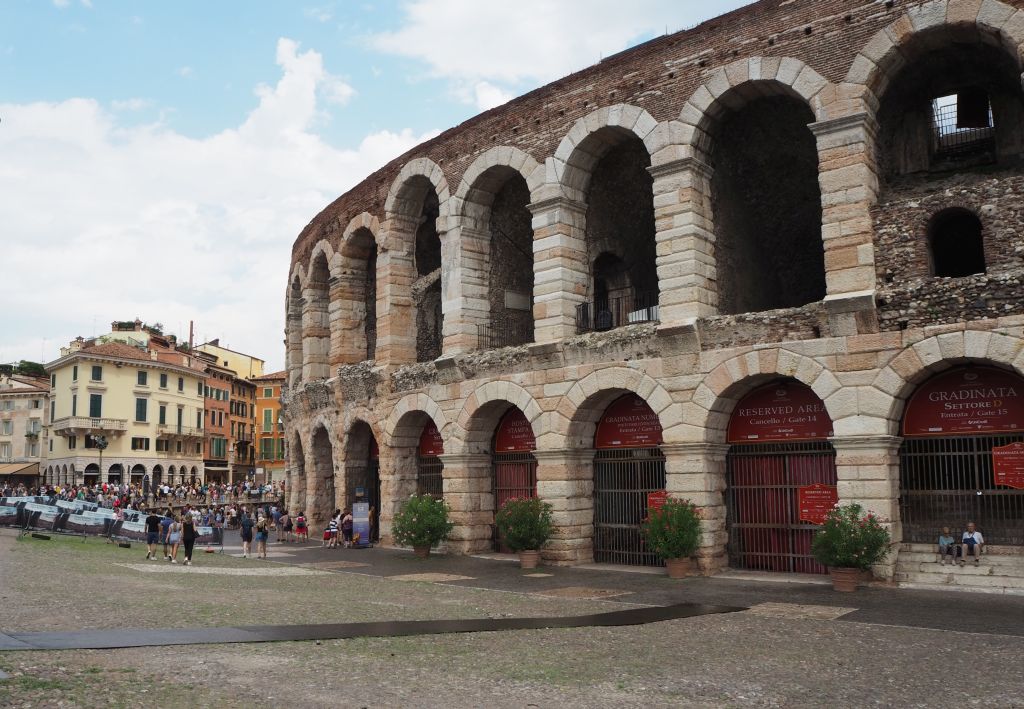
656, 500
816, 501
1008, 465
361, 524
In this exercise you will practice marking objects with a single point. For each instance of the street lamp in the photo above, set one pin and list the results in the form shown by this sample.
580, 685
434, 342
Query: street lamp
101, 445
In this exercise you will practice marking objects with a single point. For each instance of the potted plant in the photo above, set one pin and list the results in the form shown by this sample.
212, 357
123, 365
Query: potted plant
673, 533
421, 523
849, 542
525, 524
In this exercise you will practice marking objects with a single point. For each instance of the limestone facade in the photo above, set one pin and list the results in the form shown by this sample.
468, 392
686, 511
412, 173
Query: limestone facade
881, 322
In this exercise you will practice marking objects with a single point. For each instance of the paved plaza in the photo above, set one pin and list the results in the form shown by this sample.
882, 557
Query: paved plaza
794, 644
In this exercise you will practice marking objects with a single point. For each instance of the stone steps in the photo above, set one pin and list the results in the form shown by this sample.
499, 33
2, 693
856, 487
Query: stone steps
1001, 570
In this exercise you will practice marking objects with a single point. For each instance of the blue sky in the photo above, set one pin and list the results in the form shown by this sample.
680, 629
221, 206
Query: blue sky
159, 158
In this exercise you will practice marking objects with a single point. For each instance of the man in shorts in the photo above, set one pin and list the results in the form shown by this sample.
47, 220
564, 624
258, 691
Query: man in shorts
165, 530
246, 524
972, 544
152, 534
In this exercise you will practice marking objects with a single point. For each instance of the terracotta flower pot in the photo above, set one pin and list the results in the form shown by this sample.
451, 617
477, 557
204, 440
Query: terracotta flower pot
678, 568
529, 558
844, 579
421, 551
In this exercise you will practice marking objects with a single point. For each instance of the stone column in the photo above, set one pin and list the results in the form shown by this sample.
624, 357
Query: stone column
561, 272
696, 472
565, 479
467, 490
397, 482
465, 262
685, 238
847, 174
868, 472
316, 333
396, 316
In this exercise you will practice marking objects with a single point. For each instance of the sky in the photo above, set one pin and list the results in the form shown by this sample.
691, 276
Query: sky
157, 160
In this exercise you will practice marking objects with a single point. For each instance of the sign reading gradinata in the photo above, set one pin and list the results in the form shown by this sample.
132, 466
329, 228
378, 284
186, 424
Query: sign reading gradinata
966, 400
1008, 465
628, 422
515, 434
431, 443
783, 411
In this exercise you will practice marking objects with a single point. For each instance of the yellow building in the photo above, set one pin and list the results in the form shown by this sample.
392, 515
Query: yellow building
143, 396
243, 365
270, 459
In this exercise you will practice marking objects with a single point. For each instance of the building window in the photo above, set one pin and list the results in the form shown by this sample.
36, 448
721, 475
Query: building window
140, 444
199, 449
53, 381
140, 410
97, 373
74, 373
143, 378
962, 123
163, 380
53, 410
268, 393
95, 405
268, 420
955, 243
74, 406
6, 428
181, 383
72, 442
36, 404
163, 414
161, 445
199, 419
200, 388
5, 450
178, 447
34, 449
280, 449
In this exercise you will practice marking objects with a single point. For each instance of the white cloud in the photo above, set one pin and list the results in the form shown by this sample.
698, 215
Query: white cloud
105, 221
185, 71
61, 3
319, 14
130, 104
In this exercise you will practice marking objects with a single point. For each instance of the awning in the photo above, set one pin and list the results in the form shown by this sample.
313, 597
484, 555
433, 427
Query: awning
214, 469
24, 469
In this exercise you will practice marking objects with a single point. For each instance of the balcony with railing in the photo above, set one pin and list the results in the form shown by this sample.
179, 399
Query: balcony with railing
510, 332
166, 430
608, 313
82, 425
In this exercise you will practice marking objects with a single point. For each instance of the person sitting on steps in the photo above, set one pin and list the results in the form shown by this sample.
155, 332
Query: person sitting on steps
973, 543
947, 547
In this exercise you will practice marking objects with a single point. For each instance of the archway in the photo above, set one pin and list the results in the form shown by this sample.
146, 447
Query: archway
115, 473
138, 473
321, 496
628, 466
297, 480
513, 463
362, 473
429, 468
358, 295
316, 329
158, 475
92, 474
956, 426
780, 477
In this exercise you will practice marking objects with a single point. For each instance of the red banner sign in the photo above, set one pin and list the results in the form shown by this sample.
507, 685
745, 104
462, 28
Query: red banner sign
628, 422
1008, 465
816, 501
514, 433
656, 500
783, 411
966, 400
431, 443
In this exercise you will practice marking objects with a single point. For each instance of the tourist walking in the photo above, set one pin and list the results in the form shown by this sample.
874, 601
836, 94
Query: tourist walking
262, 532
246, 525
188, 536
174, 536
152, 534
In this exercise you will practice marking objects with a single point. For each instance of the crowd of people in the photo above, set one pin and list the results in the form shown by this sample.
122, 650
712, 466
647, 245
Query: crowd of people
113, 495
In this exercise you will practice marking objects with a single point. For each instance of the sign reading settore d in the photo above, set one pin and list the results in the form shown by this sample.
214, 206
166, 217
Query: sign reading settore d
815, 501
1008, 465
784, 411
628, 422
973, 400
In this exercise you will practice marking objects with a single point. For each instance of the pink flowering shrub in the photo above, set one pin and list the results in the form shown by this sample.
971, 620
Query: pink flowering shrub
524, 523
673, 532
422, 521
849, 538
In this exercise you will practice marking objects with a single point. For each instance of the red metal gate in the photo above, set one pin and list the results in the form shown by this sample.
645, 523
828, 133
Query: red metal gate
515, 467
429, 468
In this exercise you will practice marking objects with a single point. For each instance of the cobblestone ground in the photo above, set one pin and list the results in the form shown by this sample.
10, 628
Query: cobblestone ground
782, 654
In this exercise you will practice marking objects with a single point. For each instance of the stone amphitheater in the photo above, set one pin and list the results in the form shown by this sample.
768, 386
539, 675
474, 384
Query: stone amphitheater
763, 264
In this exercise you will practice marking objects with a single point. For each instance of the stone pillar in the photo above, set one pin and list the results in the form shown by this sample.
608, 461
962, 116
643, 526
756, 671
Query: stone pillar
696, 472
293, 345
868, 472
565, 479
316, 333
396, 315
848, 177
465, 255
561, 272
467, 490
685, 238
397, 481
348, 315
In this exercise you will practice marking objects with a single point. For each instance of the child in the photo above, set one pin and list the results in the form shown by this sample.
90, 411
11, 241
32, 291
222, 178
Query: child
346, 528
947, 547
300, 527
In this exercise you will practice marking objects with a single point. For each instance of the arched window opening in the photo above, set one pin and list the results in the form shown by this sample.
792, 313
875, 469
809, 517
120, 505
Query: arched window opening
623, 286
362, 479
294, 332
510, 282
316, 333
321, 493
955, 244
514, 466
359, 297
767, 207
426, 289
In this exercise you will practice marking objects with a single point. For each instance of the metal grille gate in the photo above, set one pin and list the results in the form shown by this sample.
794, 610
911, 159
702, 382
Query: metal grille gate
429, 476
373, 497
947, 482
762, 515
622, 479
515, 475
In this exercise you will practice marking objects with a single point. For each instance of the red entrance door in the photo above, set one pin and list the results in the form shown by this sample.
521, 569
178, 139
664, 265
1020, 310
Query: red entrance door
515, 468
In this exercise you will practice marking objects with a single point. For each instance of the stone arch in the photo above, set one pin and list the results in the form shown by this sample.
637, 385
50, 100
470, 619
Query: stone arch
482, 179
293, 323
483, 410
320, 486
406, 193
396, 427
363, 220
297, 481
323, 247
316, 320
356, 301
897, 380
574, 421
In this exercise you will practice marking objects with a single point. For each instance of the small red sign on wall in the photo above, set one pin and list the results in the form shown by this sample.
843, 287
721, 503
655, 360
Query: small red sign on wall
431, 443
783, 411
514, 434
966, 400
656, 500
628, 422
816, 501
1008, 465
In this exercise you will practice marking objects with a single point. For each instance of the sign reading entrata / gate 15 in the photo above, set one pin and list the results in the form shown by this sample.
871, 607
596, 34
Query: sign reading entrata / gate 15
628, 422
973, 400
816, 501
514, 433
430, 441
1008, 465
783, 411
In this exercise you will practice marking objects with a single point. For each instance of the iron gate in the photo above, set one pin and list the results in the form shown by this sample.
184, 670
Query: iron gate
515, 475
429, 476
373, 497
622, 479
762, 511
947, 482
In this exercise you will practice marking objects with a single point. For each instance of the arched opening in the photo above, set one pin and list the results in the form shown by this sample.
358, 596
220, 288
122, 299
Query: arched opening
64, 475
780, 478
359, 296
429, 468
158, 475
510, 271
362, 474
956, 102
115, 474
137, 474
955, 243
171, 471
71, 478
961, 430
426, 289
297, 481
92, 474
513, 464
293, 349
321, 497
766, 200
194, 478
628, 466
623, 287
316, 328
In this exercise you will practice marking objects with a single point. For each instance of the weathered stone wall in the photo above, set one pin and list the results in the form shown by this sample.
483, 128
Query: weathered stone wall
510, 280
